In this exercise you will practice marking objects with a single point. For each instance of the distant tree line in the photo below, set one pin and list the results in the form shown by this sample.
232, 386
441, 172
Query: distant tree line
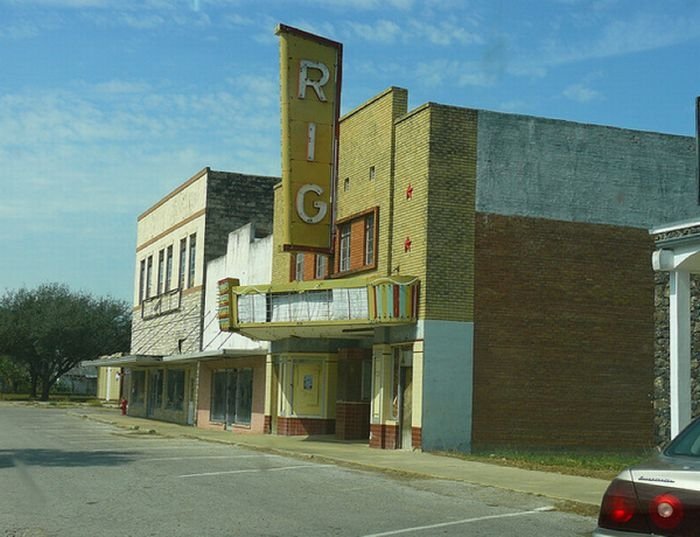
46, 331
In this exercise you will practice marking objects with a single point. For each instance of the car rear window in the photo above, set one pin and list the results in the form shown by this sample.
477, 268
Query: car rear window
687, 443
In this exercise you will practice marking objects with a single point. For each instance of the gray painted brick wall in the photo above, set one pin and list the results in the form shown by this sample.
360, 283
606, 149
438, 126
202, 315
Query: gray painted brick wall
546, 168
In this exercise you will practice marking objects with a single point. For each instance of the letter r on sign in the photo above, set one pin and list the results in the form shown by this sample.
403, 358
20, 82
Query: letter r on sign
317, 85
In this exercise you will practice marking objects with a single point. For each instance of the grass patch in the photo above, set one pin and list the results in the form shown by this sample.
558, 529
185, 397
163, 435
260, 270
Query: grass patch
587, 464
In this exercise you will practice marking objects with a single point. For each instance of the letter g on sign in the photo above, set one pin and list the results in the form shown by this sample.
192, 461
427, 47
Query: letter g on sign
321, 206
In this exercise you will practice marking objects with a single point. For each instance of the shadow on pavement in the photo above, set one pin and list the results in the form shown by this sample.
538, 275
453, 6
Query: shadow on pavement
56, 457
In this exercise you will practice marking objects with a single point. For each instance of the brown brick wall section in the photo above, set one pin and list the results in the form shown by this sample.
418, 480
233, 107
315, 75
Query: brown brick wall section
351, 420
417, 437
563, 334
304, 426
383, 436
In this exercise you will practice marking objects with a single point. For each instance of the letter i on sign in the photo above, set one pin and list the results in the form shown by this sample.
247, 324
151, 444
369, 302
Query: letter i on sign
311, 142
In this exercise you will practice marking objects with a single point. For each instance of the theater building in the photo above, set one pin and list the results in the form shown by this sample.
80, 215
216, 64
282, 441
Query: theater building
441, 278
490, 283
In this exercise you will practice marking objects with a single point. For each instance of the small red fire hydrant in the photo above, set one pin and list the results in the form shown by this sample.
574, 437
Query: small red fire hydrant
123, 404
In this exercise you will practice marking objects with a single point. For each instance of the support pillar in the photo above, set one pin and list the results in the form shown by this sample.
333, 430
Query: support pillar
680, 350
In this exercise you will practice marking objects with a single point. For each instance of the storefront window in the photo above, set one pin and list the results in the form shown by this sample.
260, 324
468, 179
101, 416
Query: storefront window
138, 387
176, 389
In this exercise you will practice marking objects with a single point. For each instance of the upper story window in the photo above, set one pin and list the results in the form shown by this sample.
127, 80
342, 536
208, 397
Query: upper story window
161, 271
149, 275
369, 239
168, 268
344, 259
321, 268
299, 267
346, 184
356, 242
142, 281
193, 254
372, 173
182, 264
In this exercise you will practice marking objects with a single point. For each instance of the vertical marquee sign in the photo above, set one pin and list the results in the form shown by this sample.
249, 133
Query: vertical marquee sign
310, 76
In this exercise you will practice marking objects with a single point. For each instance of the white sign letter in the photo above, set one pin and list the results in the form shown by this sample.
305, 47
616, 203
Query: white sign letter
321, 206
317, 85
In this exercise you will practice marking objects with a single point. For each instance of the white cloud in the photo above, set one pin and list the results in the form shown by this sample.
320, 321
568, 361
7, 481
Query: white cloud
634, 34
581, 93
444, 33
403, 5
452, 72
383, 31
20, 30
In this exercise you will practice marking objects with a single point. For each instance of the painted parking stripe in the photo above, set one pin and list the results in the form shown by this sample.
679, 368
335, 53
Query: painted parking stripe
144, 448
205, 457
255, 470
464, 521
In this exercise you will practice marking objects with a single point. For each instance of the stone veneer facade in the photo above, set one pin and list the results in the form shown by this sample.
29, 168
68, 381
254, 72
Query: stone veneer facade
662, 365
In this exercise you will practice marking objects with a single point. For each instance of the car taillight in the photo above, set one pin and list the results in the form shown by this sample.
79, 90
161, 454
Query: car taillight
620, 508
666, 511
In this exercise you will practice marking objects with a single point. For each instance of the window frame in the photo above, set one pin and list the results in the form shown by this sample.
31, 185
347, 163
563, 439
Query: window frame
370, 239
161, 273
299, 266
149, 275
168, 268
320, 266
182, 264
142, 280
191, 270
356, 258
344, 244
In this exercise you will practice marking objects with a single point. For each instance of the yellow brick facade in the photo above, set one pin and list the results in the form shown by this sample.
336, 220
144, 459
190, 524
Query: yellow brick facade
449, 280
366, 141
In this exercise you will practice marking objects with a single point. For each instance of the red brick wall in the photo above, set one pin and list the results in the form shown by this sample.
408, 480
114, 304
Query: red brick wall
351, 420
564, 334
383, 436
416, 437
304, 426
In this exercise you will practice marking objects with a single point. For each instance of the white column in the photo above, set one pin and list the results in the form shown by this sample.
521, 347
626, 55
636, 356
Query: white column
680, 350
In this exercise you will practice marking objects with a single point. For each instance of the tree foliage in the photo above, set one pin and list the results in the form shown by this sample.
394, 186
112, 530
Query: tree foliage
51, 329
13, 377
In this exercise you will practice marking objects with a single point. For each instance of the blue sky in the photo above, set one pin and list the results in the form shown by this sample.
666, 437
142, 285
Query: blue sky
107, 105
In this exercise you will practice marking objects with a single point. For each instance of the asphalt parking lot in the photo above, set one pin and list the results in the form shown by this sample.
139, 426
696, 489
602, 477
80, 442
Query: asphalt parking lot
65, 476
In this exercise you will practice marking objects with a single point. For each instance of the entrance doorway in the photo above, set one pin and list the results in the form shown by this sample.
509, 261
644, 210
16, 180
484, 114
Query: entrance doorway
155, 392
403, 379
232, 396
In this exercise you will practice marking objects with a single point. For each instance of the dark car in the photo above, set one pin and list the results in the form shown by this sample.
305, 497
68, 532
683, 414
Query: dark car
659, 497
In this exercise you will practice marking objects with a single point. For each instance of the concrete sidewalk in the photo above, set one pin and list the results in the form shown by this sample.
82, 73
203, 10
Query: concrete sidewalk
558, 487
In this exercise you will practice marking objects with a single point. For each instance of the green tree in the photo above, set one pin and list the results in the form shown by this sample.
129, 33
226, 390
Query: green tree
51, 329
13, 377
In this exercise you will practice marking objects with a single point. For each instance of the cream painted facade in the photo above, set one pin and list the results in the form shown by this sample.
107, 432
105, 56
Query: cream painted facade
180, 369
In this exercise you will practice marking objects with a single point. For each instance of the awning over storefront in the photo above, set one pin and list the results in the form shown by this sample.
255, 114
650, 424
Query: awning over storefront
124, 361
139, 360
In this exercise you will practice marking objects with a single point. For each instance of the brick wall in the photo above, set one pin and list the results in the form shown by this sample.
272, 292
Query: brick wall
352, 420
564, 320
366, 141
383, 436
451, 195
304, 426
233, 200
411, 214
